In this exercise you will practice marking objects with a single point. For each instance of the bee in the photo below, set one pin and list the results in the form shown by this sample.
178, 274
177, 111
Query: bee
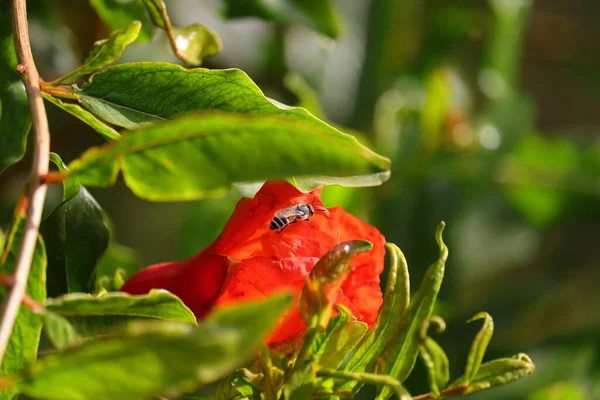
291, 215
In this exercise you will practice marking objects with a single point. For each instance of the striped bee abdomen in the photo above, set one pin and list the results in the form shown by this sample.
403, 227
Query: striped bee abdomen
278, 223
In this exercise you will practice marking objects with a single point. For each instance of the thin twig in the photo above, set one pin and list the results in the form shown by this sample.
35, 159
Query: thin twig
444, 393
37, 190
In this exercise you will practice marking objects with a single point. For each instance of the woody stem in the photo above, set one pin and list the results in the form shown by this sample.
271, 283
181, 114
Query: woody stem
37, 190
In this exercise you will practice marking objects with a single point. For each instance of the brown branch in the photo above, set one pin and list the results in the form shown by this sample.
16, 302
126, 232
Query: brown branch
37, 190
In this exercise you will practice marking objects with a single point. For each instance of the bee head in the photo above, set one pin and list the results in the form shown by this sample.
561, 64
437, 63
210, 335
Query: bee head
311, 208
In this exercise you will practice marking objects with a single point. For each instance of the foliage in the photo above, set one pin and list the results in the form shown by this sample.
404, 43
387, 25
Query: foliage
182, 134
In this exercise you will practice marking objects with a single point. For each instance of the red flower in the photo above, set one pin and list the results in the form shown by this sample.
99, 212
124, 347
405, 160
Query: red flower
248, 260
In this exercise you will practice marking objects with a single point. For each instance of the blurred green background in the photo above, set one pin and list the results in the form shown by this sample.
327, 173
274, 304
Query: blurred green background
490, 111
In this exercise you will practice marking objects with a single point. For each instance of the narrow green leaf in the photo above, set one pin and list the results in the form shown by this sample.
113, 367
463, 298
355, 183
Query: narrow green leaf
317, 14
400, 354
118, 14
316, 301
395, 302
342, 335
15, 120
316, 304
59, 330
149, 359
203, 154
157, 10
479, 345
104, 52
76, 234
434, 357
437, 365
23, 345
79, 112
498, 372
92, 315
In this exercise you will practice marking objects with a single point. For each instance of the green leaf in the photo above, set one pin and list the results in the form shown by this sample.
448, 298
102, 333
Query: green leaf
23, 345
479, 345
128, 95
342, 335
92, 315
498, 372
400, 354
77, 235
84, 115
317, 14
434, 357
325, 278
119, 14
316, 305
202, 155
191, 43
196, 41
104, 52
157, 10
395, 302
59, 330
149, 359
15, 120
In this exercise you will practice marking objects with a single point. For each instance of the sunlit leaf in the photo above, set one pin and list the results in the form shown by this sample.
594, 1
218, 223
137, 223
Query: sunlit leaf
202, 155
497, 372
128, 95
317, 14
434, 357
77, 235
23, 344
325, 278
15, 120
91, 315
148, 359
395, 302
104, 52
191, 43
400, 354
479, 345
84, 115
342, 335
118, 14
195, 42
316, 303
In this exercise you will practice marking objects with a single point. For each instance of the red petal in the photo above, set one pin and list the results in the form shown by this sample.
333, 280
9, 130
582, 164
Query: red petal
258, 277
252, 217
196, 281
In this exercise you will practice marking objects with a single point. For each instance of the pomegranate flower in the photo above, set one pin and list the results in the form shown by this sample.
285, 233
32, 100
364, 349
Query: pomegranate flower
254, 257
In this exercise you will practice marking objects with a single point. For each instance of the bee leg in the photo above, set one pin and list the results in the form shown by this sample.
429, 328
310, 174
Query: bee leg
281, 230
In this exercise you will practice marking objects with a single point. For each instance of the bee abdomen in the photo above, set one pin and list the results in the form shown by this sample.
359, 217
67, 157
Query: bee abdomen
278, 223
